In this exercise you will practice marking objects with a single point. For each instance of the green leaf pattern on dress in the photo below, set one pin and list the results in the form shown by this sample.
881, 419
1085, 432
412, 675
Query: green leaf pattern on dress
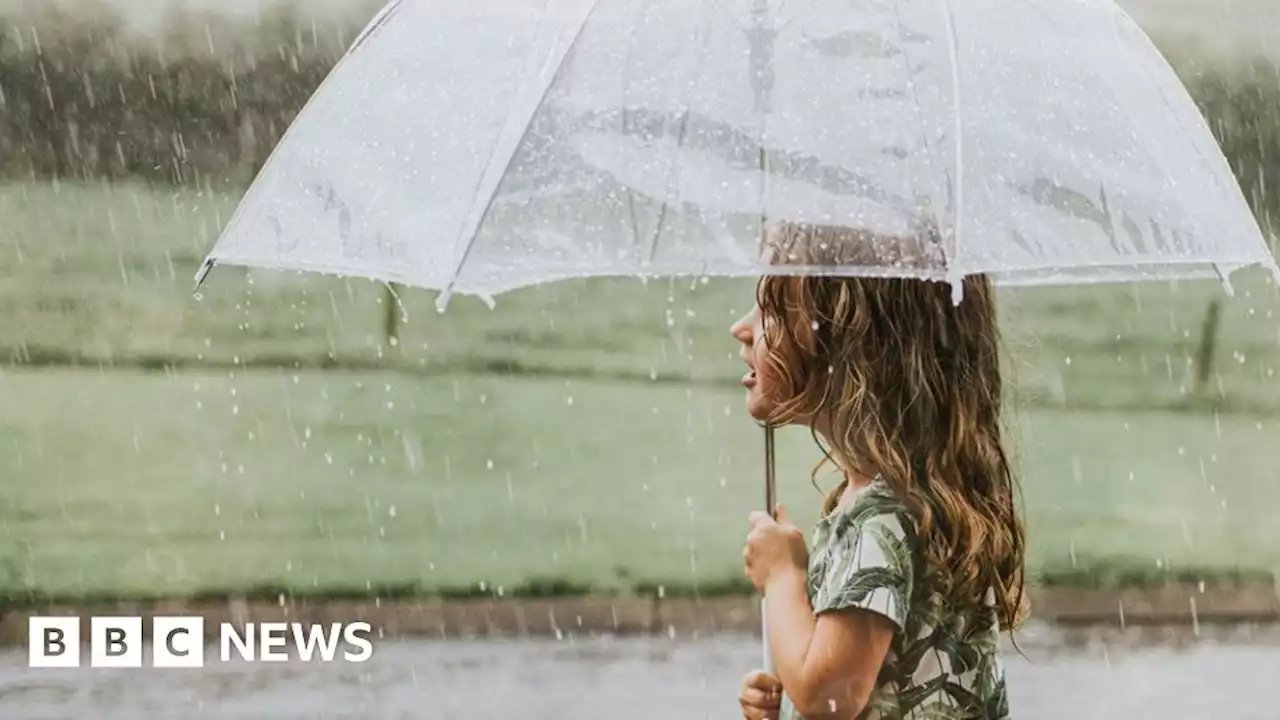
942, 664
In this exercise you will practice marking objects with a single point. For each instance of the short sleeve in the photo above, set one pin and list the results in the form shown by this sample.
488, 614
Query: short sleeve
870, 567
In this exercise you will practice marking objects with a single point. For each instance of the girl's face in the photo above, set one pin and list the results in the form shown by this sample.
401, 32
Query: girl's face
761, 388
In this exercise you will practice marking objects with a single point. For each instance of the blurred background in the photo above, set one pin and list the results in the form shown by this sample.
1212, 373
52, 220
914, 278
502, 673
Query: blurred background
306, 437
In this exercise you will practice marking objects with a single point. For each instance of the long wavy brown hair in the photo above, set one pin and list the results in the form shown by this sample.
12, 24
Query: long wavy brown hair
905, 384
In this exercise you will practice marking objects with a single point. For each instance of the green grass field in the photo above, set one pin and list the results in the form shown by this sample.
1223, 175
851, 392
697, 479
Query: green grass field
586, 432
153, 483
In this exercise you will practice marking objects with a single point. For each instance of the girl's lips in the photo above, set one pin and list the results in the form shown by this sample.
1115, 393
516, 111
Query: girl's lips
749, 380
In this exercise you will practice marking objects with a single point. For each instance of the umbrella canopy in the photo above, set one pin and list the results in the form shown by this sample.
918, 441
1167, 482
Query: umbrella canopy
485, 146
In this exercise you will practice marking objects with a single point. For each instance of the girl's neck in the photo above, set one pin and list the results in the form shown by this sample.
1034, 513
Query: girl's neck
849, 466
854, 482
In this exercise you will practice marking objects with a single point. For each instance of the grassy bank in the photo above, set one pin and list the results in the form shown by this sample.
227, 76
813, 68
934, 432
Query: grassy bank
136, 484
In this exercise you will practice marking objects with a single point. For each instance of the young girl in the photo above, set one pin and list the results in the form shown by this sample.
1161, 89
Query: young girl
917, 563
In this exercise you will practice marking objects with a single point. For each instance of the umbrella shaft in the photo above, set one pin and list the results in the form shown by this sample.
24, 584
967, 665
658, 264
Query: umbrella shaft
765, 648
770, 477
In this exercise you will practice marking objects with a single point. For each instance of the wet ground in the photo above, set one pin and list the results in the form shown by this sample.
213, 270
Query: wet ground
1219, 675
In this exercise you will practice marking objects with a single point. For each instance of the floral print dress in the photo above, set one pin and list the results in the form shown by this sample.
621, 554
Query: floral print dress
942, 665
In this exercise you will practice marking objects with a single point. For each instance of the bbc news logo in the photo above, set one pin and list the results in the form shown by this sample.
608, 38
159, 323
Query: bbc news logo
179, 642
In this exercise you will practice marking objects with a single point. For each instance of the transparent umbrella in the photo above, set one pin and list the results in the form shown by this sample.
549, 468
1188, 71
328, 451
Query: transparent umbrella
485, 146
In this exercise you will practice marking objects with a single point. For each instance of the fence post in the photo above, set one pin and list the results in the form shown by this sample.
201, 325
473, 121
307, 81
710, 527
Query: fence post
1208, 345
390, 317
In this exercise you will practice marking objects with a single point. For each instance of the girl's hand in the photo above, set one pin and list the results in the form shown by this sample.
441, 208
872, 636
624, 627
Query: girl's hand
774, 548
761, 696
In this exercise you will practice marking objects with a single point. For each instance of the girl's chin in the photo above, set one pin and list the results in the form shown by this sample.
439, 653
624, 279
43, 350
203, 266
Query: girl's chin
758, 408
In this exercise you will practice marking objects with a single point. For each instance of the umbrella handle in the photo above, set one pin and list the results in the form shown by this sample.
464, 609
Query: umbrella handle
771, 506
764, 639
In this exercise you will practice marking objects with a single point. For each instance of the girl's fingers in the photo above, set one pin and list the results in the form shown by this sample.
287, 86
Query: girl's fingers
761, 696
761, 680
760, 699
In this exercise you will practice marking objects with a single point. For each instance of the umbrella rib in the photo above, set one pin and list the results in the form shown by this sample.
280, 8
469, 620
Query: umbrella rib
955, 271
623, 124
677, 156
662, 211
472, 227
382, 18
930, 153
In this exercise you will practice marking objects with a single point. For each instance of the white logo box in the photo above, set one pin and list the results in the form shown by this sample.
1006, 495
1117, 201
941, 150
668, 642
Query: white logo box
115, 642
